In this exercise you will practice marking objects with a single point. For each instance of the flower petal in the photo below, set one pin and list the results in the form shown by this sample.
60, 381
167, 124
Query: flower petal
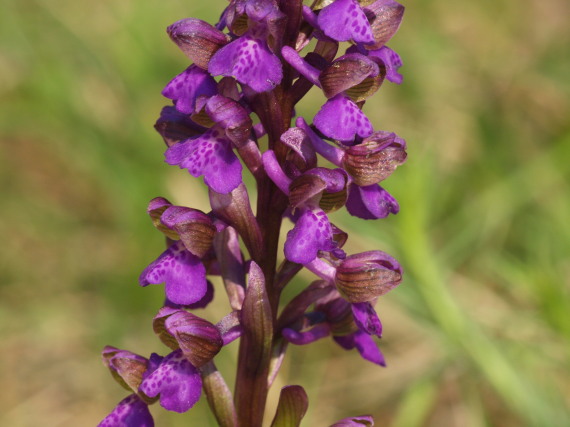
210, 155
250, 61
340, 118
183, 273
130, 412
392, 61
312, 233
177, 381
189, 85
344, 20
370, 202
366, 318
365, 345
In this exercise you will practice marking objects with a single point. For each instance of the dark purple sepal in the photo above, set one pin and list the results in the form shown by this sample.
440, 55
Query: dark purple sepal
370, 202
344, 20
292, 407
365, 345
385, 17
338, 314
232, 117
130, 412
306, 190
250, 61
183, 274
375, 158
197, 39
335, 194
193, 227
359, 421
365, 276
366, 318
155, 209
175, 126
303, 154
234, 209
176, 381
127, 368
255, 348
341, 119
392, 61
198, 339
210, 155
312, 233
189, 85
346, 72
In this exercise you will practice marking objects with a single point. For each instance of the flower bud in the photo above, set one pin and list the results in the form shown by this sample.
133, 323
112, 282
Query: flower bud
197, 39
368, 275
375, 158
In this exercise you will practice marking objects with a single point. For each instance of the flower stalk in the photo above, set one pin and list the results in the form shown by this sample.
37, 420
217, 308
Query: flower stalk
234, 106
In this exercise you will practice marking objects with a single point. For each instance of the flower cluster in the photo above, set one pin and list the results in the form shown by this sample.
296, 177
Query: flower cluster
234, 108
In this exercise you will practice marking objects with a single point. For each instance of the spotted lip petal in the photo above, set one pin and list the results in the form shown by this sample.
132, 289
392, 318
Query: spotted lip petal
210, 155
182, 272
130, 412
312, 233
250, 61
176, 381
344, 20
189, 85
341, 119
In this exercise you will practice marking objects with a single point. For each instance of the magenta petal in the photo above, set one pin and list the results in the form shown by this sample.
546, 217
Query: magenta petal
366, 318
130, 412
210, 155
177, 381
365, 345
189, 85
312, 233
360, 421
307, 337
370, 202
250, 61
183, 273
392, 61
344, 20
340, 118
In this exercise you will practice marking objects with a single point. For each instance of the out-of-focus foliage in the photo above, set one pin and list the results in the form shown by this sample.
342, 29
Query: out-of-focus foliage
477, 335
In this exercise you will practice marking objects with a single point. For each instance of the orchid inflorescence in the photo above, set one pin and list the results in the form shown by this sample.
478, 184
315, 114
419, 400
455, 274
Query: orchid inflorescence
266, 55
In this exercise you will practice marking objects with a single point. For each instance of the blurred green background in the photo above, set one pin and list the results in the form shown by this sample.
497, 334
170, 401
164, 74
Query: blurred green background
477, 335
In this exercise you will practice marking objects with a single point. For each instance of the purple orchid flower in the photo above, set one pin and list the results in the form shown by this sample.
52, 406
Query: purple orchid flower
234, 106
